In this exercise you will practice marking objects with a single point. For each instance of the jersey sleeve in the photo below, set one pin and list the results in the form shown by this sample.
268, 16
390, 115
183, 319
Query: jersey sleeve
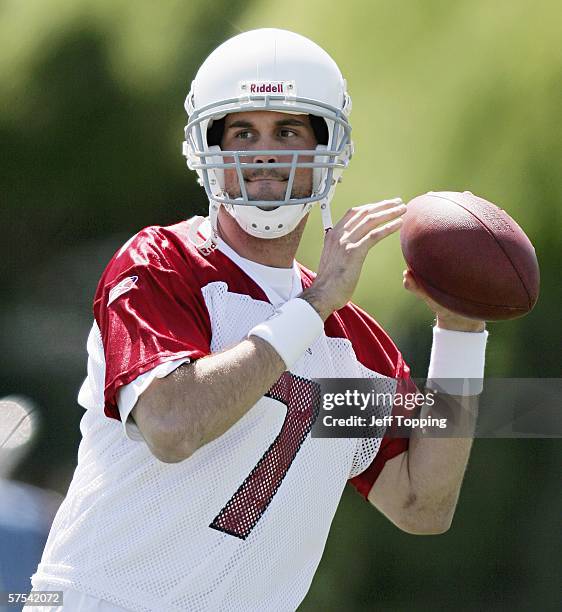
390, 446
150, 310
376, 350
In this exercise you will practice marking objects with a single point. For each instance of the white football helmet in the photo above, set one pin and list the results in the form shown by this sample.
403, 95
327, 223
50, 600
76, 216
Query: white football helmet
276, 70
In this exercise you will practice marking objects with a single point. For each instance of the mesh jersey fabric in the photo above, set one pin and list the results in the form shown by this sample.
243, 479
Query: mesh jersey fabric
242, 523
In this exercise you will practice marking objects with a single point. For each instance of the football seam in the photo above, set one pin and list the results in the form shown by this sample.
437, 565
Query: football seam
457, 297
529, 300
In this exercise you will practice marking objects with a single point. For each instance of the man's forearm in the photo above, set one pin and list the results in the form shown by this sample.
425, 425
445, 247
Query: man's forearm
418, 490
199, 401
436, 464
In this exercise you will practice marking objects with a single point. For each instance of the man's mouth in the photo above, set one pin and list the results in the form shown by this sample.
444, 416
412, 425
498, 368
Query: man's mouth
272, 180
266, 179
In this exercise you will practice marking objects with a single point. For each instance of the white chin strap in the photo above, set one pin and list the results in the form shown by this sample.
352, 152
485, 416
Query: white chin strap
206, 241
268, 223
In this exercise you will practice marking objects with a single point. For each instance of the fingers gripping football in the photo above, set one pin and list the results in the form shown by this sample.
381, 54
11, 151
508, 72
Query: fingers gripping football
346, 247
372, 224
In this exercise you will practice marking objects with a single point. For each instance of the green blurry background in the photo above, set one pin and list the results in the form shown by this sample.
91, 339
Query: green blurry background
446, 96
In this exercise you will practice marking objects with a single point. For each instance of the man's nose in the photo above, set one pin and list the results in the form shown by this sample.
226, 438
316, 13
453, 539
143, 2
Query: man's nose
266, 143
266, 159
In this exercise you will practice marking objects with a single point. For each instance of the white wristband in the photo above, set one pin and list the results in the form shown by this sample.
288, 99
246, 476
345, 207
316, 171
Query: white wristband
290, 330
457, 361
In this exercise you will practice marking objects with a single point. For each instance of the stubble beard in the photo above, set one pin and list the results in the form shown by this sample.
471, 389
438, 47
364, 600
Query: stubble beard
268, 190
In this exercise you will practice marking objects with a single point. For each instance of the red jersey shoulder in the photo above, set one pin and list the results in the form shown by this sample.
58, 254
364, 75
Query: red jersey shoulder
145, 255
166, 253
372, 345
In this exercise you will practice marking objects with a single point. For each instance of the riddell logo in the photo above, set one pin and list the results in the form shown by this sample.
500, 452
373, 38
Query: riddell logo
286, 88
266, 88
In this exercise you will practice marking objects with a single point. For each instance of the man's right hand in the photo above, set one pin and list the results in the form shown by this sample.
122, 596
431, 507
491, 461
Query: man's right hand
345, 249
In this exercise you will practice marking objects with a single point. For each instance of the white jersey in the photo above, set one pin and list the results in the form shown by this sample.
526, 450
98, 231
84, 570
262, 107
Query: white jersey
242, 523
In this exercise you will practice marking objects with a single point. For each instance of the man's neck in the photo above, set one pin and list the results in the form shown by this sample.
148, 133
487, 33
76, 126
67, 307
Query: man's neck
274, 252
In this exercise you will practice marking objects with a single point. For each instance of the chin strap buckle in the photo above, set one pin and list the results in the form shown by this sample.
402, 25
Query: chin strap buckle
204, 244
326, 216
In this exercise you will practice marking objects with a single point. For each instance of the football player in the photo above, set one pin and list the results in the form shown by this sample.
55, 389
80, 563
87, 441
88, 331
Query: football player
198, 484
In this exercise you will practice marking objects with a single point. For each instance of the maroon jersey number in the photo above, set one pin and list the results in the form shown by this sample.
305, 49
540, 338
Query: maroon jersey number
244, 509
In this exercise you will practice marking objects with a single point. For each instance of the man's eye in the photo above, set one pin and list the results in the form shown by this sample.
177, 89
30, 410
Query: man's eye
285, 133
244, 135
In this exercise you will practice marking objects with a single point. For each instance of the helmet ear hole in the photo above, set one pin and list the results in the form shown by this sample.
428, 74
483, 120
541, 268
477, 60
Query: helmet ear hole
215, 133
320, 129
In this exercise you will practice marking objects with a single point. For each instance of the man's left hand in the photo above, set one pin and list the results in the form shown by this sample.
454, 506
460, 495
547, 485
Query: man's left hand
446, 319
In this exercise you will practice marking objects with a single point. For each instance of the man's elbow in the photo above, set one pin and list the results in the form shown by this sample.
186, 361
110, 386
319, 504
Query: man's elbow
425, 529
425, 525
167, 448
163, 437
167, 454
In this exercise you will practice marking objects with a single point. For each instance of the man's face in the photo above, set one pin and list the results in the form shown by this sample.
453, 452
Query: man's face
268, 130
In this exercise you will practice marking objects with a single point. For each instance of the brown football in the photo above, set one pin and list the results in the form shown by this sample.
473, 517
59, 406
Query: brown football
470, 256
